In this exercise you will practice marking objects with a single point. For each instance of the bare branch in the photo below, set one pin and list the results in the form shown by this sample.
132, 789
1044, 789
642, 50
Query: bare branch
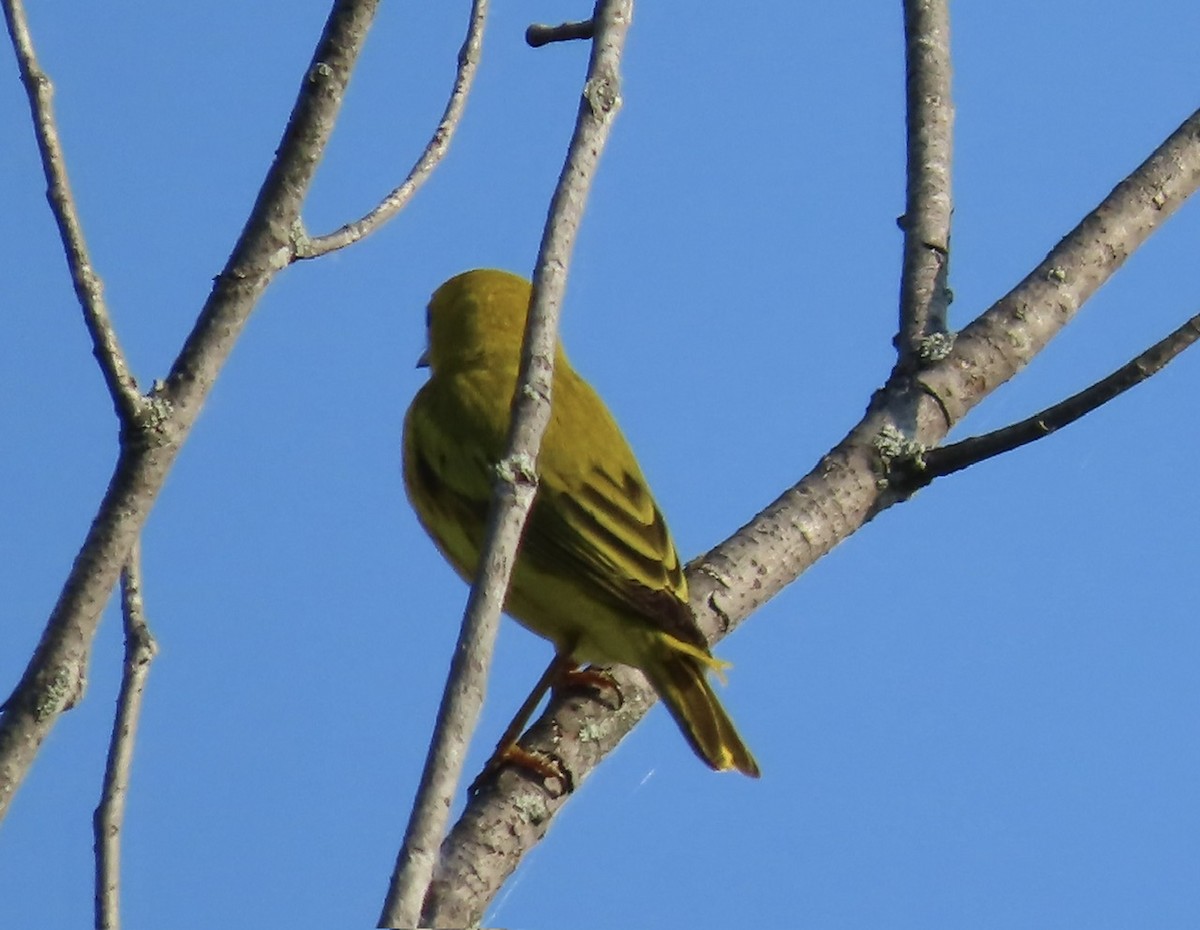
54, 677
924, 294
435, 151
830, 503
411, 892
538, 35
140, 649
1007, 337
916, 472
88, 288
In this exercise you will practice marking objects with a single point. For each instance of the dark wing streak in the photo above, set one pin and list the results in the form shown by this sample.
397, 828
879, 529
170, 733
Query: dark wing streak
565, 537
628, 510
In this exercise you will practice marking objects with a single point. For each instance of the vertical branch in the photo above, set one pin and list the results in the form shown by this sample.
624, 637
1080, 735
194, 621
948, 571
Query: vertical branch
924, 294
88, 288
140, 649
410, 890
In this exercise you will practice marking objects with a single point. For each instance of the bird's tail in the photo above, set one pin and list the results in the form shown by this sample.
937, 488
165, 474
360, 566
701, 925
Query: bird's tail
680, 680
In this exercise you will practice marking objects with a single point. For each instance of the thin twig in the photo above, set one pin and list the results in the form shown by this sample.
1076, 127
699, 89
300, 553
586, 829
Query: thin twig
538, 34
435, 150
410, 891
924, 294
54, 677
88, 288
917, 471
140, 649
500, 826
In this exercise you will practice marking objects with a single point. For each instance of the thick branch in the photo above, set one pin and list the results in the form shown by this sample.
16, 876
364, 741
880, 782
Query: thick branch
55, 675
924, 294
88, 289
435, 151
109, 818
1007, 337
410, 891
833, 501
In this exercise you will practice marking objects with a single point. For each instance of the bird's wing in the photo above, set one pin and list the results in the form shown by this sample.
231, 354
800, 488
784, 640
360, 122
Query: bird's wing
608, 533
595, 519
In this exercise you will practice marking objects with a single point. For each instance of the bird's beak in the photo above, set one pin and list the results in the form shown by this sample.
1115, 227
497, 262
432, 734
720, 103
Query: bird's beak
423, 361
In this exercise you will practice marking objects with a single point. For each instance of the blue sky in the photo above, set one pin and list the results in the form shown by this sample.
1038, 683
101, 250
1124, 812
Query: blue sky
979, 711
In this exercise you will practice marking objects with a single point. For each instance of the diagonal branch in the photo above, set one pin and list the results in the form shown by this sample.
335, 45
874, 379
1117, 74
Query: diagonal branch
88, 288
435, 151
140, 649
411, 891
841, 493
1005, 338
924, 294
916, 472
54, 677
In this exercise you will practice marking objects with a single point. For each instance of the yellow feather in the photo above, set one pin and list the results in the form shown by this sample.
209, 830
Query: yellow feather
597, 573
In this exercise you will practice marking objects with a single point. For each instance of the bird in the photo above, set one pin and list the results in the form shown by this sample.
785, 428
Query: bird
597, 573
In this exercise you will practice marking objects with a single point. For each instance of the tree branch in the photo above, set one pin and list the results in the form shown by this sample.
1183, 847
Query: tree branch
468, 63
924, 294
55, 674
915, 472
140, 649
841, 493
411, 895
538, 35
89, 290
1004, 339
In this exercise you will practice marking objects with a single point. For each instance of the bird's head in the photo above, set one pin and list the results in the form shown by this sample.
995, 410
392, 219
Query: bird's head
477, 317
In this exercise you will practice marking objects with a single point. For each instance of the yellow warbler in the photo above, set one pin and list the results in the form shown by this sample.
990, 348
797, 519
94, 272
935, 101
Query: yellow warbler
597, 573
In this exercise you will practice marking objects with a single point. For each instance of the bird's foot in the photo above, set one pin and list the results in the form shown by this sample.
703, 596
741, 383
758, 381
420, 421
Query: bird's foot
537, 764
599, 681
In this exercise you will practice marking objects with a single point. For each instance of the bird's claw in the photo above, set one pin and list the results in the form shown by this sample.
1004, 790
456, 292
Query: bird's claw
533, 762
